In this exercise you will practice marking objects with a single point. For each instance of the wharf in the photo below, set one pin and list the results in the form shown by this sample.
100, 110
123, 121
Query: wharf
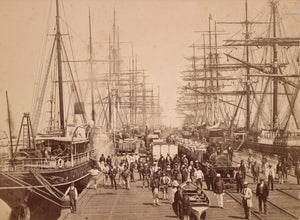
105, 203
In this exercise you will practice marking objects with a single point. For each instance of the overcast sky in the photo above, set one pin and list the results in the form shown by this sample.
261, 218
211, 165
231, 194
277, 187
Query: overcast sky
160, 30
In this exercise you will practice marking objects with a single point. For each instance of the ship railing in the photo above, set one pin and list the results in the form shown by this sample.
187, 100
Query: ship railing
57, 162
294, 135
269, 135
289, 135
81, 158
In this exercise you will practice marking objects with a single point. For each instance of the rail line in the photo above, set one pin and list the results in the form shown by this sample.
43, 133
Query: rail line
253, 213
284, 210
276, 206
286, 193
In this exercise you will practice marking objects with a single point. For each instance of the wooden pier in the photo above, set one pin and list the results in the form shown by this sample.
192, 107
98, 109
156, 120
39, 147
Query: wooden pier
105, 203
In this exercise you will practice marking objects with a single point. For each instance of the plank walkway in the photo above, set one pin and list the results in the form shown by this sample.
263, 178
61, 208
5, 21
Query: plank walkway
232, 209
109, 204
137, 203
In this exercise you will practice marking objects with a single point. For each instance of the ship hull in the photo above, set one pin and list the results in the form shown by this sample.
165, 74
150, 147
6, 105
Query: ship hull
272, 149
48, 207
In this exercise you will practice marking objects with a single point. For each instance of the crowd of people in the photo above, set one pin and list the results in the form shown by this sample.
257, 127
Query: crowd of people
270, 171
163, 176
166, 175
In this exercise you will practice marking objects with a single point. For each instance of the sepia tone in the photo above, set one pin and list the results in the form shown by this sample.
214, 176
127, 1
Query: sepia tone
155, 75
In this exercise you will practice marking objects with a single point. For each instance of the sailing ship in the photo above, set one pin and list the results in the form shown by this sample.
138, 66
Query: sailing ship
49, 156
257, 101
127, 103
205, 98
271, 86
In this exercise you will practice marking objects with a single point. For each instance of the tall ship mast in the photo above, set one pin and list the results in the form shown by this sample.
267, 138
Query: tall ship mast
53, 151
207, 97
258, 97
127, 97
271, 85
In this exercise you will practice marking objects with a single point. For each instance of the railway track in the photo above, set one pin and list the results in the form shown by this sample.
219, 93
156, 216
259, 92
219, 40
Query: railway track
274, 211
290, 195
234, 197
286, 203
281, 201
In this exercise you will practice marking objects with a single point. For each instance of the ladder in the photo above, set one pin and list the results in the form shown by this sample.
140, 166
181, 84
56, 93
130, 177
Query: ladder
27, 133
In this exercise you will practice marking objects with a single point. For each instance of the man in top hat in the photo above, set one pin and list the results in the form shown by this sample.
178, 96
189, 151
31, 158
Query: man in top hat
262, 192
247, 200
218, 189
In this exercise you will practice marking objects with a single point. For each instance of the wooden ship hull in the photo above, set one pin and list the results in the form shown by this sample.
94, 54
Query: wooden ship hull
269, 147
19, 187
41, 167
42, 188
272, 149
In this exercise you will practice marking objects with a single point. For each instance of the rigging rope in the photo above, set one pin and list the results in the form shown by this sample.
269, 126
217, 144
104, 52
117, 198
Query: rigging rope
83, 116
41, 59
79, 94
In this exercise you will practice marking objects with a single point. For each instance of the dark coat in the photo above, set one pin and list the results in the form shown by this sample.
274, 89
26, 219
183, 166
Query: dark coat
177, 197
239, 178
212, 174
186, 207
243, 168
102, 158
219, 186
279, 167
265, 191
112, 172
297, 170
155, 182
108, 160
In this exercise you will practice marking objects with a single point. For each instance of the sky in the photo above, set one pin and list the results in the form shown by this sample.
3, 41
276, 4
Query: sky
161, 32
